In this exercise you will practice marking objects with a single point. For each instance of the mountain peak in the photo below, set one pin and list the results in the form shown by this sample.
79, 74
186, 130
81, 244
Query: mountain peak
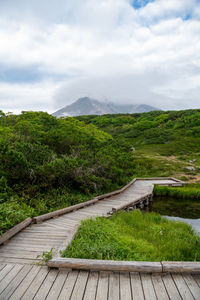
89, 106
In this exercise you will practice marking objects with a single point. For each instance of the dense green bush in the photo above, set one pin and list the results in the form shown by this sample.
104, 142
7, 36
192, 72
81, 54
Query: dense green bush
48, 163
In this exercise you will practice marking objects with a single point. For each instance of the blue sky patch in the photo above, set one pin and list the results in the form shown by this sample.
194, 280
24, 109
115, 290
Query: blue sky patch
28, 75
19, 75
137, 4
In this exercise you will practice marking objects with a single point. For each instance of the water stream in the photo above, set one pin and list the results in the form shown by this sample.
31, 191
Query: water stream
187, 211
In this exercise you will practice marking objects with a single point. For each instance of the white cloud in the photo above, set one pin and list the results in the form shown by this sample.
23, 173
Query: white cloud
105, 49
17, 97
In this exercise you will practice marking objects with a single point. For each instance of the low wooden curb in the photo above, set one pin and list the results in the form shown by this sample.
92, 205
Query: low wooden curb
125, 266
106, 265
10, 233
184, 267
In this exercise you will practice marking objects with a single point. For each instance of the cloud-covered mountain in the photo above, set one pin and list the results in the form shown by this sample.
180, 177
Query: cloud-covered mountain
89, 106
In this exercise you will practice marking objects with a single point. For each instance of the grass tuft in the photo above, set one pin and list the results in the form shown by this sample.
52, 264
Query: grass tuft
135, 236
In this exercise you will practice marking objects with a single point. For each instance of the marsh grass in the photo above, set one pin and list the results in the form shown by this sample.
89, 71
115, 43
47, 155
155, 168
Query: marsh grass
135, 236
189, 192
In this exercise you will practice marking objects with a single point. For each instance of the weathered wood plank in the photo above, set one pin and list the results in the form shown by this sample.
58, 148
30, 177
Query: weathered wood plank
35, 284
57, 285
102, 288
9, 277
136, 285
17, 260
182, 287
80, 286
46, 286
21, 289
15, 283
2, 266
90, 291
105, 265
113, 293
179, 266
5, 271
10, 233
63, 211
148, 288
125, 286
193, 286
197, 279
159, 287
171, 287
68, 286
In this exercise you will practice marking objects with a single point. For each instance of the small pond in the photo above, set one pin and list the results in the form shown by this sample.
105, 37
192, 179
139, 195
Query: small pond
177, 209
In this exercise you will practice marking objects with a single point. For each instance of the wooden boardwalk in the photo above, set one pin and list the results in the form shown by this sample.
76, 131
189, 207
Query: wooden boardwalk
21, 278
28, 282
33, 240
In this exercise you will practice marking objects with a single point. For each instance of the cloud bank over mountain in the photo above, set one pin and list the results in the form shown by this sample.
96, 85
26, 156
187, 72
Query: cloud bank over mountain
54, 52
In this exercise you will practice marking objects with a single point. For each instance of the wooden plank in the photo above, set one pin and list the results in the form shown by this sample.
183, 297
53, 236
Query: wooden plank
39, 236
18, 255
68, 286
64, 210
28, 247
10, 233
9, 277
2, 266
17, 260
33, 241
113, 293
80, 286
182, 287
171, 287
193, 286
197, 279
159, 287
149, 292
57, 285
102, 288
21, 289
5, 271
179, 266
136, 286
15, 283
91, 287
105, 265
46, 285
35, 284
125, 286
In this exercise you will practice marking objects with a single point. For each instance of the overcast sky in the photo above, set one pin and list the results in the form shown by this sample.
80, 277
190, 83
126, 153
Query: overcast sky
53, 52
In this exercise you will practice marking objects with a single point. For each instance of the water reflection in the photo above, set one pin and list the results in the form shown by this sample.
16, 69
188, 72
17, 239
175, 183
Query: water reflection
177, 209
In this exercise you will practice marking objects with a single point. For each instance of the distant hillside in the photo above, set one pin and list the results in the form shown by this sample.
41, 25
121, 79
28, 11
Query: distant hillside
88, 106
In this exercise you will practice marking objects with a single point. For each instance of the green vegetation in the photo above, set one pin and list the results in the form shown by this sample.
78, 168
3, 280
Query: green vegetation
163, 143
48, 163
135, 236
189, 192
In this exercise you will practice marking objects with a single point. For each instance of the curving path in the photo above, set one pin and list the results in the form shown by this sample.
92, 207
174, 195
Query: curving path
20, 278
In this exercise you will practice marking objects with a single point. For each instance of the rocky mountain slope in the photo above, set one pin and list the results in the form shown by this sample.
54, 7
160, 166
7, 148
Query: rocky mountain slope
89, 106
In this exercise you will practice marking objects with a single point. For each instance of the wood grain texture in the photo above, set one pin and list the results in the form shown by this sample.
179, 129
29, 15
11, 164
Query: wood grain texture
13, 231
179, 266
105, 265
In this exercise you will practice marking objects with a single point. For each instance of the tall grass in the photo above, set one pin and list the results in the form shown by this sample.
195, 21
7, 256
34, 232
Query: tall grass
190, 191
135, 236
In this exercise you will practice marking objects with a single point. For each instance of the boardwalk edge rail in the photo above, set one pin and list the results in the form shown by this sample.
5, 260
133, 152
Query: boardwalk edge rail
125, 266
13, 231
